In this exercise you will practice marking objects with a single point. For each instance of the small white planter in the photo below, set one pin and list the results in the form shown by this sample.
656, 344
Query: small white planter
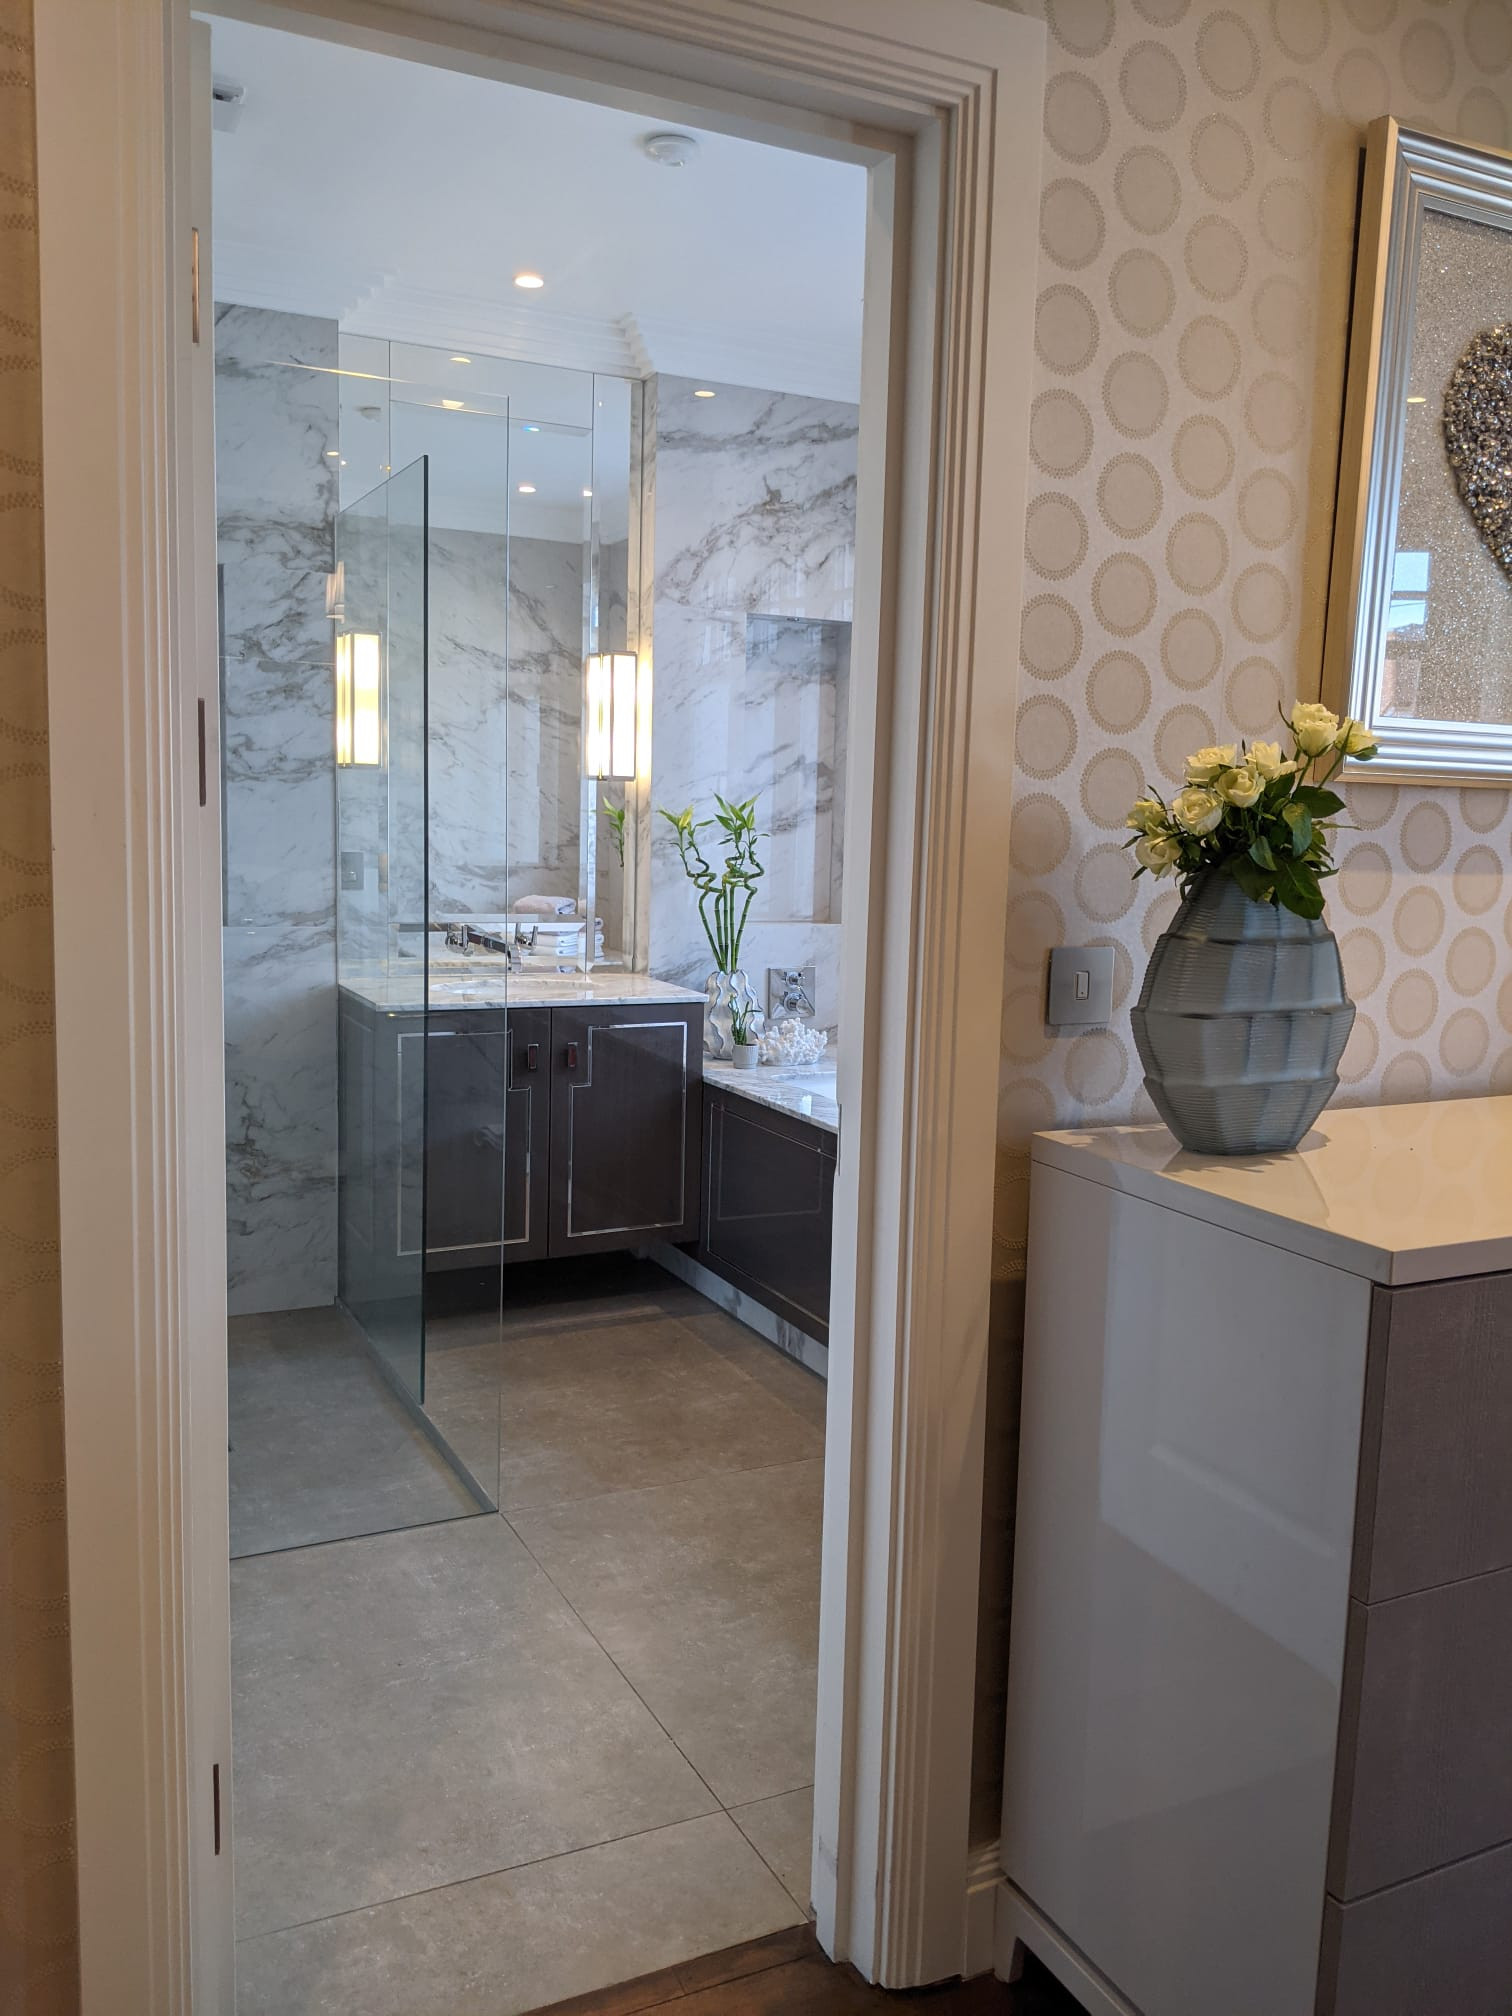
747, 1056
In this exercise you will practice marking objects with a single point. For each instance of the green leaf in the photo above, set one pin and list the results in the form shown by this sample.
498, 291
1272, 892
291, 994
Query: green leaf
1296, 817
1297, 890
1261, 851
1320, 803
1254, 881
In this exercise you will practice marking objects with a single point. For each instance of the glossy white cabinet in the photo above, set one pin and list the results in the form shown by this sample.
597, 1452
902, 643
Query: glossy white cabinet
1198, 1333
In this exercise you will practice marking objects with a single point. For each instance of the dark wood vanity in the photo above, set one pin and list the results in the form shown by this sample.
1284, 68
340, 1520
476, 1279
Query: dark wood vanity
768, 1218
546, 1131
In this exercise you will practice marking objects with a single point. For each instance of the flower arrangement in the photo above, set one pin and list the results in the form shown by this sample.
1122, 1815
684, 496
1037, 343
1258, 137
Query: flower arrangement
1252, 813
725, 894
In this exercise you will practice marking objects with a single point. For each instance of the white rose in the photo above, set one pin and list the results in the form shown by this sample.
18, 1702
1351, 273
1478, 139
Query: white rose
1203, 765
1266, 757
1146, 815
1196, 809
1355, 739
1241, 786
1314, 726
1158, 852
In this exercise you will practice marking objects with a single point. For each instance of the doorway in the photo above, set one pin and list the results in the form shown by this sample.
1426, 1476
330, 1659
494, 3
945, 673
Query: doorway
955, 181
529, 1278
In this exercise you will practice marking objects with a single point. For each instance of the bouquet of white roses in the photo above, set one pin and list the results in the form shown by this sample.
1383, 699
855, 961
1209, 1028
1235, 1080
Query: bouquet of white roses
1250, 812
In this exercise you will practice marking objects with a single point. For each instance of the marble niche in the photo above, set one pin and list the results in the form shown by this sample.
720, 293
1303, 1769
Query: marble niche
275, 508
751, 507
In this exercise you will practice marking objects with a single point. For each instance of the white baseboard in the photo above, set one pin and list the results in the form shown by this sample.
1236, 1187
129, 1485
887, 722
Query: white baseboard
1020, 1926
984, 1880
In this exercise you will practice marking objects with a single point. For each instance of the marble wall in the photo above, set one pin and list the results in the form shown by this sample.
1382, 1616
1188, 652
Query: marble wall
752, 499
276, 500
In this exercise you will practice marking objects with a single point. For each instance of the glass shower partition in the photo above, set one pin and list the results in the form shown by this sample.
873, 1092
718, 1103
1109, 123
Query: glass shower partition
379, 595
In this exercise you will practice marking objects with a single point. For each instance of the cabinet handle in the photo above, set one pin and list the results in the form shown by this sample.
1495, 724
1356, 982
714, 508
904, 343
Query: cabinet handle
532, 1056
572, 1056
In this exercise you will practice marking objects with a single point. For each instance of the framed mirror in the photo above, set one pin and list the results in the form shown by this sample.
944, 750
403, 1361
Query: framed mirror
1419, 635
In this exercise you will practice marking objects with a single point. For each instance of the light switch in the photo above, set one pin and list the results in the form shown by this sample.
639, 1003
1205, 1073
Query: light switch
1081, 986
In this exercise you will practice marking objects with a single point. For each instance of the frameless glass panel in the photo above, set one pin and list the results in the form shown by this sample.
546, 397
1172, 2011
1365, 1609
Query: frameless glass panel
379, 605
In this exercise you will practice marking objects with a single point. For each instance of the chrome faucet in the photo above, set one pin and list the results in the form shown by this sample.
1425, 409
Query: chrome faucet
462, 938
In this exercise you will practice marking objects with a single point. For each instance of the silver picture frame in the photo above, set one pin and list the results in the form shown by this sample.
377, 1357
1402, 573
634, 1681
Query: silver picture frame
1409, 177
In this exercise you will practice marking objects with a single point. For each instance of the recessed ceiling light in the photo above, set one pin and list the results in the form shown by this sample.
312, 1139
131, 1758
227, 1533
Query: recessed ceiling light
587, 493
1417, 398
333, 451
461, 360
703, 392
531, 427
529, 280
527, 489
452, 405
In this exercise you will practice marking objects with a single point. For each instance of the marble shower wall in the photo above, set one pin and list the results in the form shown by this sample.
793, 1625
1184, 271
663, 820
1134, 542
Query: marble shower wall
275, 501
751, 497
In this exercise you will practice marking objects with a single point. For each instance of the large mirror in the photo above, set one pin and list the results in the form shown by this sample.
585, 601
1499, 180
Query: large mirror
1419, 642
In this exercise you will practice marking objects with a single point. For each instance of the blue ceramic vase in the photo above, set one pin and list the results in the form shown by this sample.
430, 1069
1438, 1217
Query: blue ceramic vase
1241, 1022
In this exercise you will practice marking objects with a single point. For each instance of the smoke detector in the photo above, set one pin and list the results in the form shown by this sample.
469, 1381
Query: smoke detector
227, 103
670, 150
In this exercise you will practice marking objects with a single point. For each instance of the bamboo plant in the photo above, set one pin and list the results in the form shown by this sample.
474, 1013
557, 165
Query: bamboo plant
726, 892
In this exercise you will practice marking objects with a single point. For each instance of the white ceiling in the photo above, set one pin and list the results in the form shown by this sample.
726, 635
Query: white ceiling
402, 199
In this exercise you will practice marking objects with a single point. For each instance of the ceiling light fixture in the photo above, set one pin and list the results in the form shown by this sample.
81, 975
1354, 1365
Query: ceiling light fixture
452, 405
529, 281
670, 150
587, 493
461, 360
703, 392
527, 489
333, 451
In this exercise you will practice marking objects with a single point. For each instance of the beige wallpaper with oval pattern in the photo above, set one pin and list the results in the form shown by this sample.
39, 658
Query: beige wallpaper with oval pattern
1200, 168
37, 1914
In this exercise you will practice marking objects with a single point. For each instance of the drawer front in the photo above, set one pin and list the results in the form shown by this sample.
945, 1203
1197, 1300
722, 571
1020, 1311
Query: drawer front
1435, 1482
1425, 1741
1441, 1946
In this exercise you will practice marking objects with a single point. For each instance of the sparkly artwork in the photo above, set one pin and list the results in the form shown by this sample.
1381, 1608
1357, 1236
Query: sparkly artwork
1478, 436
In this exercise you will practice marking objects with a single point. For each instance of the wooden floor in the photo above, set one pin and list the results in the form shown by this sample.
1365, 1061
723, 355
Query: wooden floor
787, 1975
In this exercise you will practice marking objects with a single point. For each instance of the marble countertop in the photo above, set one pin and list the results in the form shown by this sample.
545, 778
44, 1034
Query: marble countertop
479, 985
1395, 1193
807, 1095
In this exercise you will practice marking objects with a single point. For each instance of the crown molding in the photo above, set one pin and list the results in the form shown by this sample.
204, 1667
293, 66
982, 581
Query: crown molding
251, 275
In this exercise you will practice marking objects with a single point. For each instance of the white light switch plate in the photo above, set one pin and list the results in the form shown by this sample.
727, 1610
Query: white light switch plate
1081, 986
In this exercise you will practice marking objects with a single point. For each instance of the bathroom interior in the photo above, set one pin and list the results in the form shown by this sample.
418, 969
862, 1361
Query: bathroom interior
536, 471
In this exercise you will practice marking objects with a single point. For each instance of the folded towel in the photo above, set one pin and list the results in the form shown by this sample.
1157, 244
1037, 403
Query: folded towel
546, 906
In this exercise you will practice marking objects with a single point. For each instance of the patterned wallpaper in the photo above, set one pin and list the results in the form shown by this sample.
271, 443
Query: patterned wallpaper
37, 1910
1196, 234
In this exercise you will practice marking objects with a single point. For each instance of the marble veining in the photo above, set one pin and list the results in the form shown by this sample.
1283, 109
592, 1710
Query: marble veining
806, 1095
751, 497
275, 418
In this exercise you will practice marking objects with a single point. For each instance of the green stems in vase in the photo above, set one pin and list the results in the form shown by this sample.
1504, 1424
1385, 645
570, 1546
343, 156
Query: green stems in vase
725, 892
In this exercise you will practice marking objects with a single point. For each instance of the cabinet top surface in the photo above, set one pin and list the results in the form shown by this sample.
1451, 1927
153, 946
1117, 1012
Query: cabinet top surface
484, 983
1396, 1193
807, 1095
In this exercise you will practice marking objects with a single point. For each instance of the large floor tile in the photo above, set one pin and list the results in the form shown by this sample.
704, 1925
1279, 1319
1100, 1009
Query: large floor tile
419, 1708
781, 1830
804, 1391
320, 1447
617, 1406
509, 1943
706, 1594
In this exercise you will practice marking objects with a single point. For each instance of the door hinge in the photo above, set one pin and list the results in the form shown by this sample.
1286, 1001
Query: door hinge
194, 291
216, 1803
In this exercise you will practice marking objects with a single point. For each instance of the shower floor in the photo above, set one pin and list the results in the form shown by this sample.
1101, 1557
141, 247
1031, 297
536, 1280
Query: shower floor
485, 1764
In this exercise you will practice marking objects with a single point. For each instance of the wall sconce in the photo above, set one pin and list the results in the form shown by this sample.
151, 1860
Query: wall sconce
359, 697
609, 744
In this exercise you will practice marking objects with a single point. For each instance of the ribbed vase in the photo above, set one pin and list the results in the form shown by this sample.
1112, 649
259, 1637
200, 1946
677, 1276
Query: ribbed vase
1241, 1022
723, 994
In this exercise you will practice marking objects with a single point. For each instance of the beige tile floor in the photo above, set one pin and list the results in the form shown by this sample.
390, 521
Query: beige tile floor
485, 1764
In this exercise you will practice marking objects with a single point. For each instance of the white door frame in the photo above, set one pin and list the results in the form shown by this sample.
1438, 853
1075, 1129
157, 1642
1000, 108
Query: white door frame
944, 98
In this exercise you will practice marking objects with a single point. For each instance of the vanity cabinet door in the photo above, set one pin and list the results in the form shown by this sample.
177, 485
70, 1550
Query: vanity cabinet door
626, 1117
486, 1121
769, 1208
